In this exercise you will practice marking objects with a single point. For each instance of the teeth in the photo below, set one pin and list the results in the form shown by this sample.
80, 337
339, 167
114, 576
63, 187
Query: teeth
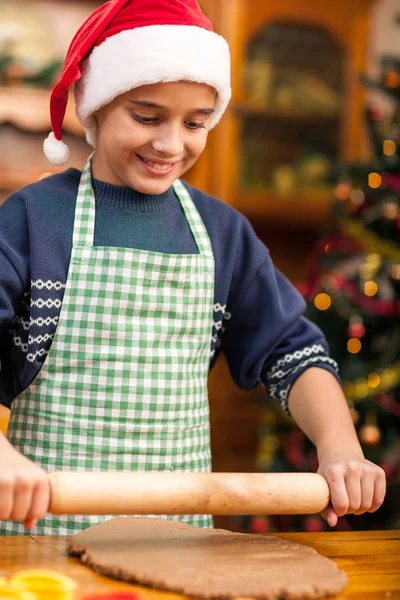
157, 165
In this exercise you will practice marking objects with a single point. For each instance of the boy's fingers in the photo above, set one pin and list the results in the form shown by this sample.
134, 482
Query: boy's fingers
330, 516
40, 501
353, 487
22, 499
367, 495
6, 498
339, 497
379, 492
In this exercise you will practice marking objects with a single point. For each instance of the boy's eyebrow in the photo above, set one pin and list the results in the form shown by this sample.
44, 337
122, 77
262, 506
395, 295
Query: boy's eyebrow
147, 104
203, 111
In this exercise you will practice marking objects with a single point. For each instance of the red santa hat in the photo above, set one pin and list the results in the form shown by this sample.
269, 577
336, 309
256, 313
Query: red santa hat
128, 43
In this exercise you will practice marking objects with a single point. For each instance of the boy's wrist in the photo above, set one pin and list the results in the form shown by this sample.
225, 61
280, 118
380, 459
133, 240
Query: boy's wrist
347, 445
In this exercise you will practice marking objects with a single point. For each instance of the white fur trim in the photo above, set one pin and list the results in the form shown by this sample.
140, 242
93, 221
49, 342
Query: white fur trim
55, 150
152, 54
91, 132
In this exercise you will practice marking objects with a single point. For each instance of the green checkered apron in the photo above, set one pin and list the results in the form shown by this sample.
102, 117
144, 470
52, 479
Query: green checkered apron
124, 386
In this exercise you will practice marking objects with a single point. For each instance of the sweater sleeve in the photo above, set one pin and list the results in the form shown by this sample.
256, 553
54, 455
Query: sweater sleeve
266, 338
14, 259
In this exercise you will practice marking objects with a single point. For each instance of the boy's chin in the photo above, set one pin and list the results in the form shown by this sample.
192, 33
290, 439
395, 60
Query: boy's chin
153, 188
153, 185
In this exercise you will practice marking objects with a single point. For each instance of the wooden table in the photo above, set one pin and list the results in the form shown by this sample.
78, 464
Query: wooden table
371, 559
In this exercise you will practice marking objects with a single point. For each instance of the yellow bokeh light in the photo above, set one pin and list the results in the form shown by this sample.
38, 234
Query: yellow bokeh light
370, 288
374, 180
361, 389
373, 380
322, 301
354, 345
389, 147
374, 259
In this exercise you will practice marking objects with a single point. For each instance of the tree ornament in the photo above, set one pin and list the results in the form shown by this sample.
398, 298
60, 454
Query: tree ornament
343, 189
354, 345
357, 197
356, 328
395, 272
389, 147
390, 209
353, 412
369, 268
354, 415
259, 524
370, 435
377, 113
374, 180
313, 523
391, 79
389, 471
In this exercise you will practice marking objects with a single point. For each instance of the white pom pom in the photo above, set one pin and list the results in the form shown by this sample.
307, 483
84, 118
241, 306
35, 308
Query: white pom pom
55, 150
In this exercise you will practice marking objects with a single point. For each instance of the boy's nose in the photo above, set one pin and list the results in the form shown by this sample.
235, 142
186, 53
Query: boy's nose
169, 144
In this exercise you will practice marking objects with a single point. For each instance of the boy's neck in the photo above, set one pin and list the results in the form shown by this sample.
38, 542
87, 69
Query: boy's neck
127, 198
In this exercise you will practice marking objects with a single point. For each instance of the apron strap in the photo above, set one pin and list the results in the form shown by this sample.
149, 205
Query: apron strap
85, 211
194, 219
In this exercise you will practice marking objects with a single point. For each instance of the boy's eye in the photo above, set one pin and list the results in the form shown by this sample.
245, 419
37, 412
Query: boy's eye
153, 120
144, 120
193, 125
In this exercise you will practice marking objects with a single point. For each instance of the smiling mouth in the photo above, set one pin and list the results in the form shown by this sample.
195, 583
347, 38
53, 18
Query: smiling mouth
155, 165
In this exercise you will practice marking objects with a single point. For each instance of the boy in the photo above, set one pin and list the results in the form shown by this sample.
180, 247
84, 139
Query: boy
120, 284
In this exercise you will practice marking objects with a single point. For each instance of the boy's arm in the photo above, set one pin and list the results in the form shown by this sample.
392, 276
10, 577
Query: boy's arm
268, 340
14, 258
319, 407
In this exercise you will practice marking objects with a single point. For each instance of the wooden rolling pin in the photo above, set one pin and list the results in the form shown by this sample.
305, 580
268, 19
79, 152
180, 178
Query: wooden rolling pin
187, 493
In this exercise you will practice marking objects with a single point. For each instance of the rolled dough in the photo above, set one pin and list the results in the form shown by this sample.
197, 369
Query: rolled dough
206, 563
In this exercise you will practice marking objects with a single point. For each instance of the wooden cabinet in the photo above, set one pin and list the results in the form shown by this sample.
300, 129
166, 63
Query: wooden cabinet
296, 109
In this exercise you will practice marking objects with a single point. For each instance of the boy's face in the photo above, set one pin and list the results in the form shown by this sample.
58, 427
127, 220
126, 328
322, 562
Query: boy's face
152, 135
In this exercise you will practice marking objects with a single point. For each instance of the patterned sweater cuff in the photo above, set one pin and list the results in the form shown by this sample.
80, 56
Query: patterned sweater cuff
278, 379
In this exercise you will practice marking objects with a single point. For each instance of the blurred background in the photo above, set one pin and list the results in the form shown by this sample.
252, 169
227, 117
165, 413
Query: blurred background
309, 151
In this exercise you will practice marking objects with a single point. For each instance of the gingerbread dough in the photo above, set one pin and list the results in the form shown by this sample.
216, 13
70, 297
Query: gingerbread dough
206, 563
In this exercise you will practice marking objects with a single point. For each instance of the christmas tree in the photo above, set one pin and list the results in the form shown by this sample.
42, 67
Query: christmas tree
353, 294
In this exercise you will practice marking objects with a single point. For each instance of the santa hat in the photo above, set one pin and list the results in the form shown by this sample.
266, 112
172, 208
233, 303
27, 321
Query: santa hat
128, 43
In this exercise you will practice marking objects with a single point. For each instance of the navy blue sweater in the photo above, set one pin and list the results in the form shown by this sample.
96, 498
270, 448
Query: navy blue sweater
258, 317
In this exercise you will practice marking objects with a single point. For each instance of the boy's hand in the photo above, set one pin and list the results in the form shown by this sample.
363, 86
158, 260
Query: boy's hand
356, 485
24, 487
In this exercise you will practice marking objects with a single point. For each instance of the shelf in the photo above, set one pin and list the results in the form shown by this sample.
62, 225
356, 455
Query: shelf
29, 109
249, 109
304, 210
